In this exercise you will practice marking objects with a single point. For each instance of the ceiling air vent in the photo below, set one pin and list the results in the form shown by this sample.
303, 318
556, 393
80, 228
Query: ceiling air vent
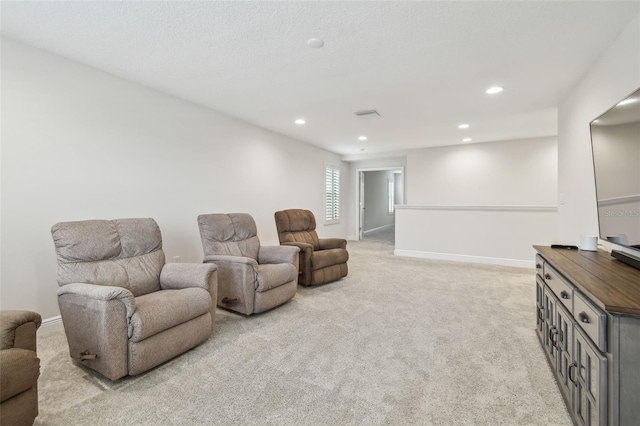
367, 113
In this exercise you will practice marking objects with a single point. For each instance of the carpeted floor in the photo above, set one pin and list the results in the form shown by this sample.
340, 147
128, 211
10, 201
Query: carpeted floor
399, 341
386, 234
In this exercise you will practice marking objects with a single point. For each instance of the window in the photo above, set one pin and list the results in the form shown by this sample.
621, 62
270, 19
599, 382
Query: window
332, 194
391, 196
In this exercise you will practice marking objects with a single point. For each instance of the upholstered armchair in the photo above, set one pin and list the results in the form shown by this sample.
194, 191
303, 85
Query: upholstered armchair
124, 310
19, 367
251, 278
322, 260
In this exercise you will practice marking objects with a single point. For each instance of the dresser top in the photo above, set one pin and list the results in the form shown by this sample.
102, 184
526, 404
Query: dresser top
609, 283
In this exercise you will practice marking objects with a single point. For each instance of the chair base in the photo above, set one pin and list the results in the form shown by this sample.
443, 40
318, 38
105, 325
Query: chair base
21, 409
263, 301
146, 354
327, 275
274, 297
162, 347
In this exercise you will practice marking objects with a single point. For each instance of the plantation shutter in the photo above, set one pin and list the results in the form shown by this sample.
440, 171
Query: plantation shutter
332, 193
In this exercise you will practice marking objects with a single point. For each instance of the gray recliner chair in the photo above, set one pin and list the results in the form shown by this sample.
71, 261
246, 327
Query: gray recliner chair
251, 278
322, 260
19, 367
124, 310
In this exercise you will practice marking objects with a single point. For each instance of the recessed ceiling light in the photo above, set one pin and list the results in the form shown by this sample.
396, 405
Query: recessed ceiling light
495, 89
463, 126
466, 140
627, 101
362, 138
300, 121
315, 43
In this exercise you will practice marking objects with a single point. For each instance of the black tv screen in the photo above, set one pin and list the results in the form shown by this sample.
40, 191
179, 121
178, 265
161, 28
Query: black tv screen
615, 141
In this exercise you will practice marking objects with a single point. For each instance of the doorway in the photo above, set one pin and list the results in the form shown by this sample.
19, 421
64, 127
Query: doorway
379, 190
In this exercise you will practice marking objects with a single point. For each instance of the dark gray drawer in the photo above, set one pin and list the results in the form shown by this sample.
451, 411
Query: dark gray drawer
539, 265
590, 319
562, 288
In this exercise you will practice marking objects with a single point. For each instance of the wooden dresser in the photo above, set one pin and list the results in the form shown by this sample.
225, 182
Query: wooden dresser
588, 323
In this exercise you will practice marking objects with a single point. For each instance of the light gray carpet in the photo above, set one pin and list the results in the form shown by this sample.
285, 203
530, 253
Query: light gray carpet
386, 234
398, 341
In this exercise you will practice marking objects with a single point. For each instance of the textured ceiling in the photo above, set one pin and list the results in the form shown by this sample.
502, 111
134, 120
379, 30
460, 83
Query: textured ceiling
423, 65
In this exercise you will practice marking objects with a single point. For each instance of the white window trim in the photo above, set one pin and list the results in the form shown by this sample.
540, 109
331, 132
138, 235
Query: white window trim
333, 216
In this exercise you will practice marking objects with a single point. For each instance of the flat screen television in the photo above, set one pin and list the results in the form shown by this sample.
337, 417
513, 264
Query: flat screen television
615, 142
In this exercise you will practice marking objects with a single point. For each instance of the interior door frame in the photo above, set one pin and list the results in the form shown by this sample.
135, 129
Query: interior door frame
359, 202
360, 205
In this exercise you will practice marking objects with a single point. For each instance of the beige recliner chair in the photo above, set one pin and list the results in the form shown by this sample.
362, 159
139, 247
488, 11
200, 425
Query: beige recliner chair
124, 310
19, 367
322, 260
251, 278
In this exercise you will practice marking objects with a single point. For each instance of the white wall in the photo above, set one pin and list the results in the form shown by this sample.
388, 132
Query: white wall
614, 76
485, 203
376, 213
491, 235
78, 143
521, 172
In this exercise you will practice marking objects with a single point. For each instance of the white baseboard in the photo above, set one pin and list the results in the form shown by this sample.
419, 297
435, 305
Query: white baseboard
466, 258
50, 325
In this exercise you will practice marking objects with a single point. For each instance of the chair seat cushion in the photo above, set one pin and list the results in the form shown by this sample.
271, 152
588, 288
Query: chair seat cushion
20, 371
323, 258
161, 310
274, 275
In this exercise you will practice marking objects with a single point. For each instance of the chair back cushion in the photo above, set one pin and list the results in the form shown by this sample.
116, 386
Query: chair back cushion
233, 234
297, 225
123, 252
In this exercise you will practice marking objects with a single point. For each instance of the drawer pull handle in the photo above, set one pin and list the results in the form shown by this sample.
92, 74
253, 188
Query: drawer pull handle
564, 294
553, 331
584, 317
541, 314
538, 266
571, 367
547, 276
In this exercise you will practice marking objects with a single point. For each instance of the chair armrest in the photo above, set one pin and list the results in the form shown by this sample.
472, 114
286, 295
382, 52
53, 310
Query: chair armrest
237, 281
20, 370
101, 293
18, 329
97, 322
176, 276
278, 254
304, 261
305, 248
221, 258
332, 243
